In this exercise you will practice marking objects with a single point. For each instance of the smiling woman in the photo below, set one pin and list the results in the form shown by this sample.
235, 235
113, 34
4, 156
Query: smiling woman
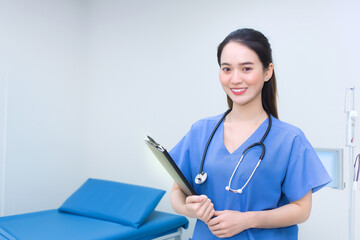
242, 72
276, 194
260, 53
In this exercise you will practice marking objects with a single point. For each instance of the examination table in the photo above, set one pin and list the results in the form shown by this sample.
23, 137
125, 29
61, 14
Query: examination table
99, 210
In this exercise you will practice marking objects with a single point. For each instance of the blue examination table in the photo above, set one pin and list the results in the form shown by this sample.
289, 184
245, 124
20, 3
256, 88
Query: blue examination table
98, 210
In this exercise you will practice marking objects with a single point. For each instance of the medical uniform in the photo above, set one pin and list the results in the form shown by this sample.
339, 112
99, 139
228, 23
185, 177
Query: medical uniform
289, 170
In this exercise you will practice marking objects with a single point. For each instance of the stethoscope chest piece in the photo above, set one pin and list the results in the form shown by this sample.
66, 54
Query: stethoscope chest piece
201, 178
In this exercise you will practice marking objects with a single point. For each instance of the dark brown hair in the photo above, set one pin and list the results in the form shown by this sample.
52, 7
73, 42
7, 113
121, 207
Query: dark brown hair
257, 42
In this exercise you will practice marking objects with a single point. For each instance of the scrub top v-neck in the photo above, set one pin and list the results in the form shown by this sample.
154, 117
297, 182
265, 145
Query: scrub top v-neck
288, 171
221, 130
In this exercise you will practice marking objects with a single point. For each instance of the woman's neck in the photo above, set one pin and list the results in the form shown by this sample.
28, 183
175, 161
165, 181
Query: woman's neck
247, 113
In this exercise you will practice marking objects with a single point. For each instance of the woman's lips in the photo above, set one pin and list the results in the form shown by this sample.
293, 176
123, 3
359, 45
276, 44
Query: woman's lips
238, 91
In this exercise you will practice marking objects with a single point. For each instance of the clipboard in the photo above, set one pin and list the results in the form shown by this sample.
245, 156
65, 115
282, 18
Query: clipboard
168, 163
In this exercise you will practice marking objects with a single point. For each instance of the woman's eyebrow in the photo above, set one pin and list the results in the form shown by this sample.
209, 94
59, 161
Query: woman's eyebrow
226, 64
246, 63
240, 64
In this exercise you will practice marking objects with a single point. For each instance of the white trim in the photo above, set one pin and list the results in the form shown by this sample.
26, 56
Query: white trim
4, 103
3, 157
175, 236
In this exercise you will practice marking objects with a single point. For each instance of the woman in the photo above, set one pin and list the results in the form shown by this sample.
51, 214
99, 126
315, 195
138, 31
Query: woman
265, 199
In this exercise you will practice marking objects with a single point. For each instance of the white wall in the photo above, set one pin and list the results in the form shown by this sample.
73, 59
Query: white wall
131, 68
44, 69
2, 100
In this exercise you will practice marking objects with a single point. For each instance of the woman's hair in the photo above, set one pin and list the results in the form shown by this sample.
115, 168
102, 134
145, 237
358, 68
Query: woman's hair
257, 42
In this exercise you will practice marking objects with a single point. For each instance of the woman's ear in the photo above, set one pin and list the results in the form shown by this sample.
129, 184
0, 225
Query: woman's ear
269, 72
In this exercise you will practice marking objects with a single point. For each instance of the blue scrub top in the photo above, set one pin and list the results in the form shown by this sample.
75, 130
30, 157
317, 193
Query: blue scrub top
289, 170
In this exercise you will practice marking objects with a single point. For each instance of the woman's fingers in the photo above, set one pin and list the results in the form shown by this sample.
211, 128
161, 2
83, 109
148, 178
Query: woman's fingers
209, 213
194, 199
201, 207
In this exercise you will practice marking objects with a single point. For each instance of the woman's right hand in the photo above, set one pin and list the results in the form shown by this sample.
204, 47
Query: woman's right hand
200, 207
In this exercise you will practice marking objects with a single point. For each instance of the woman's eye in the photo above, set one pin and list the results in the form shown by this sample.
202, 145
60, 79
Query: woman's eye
246, 69
226, 69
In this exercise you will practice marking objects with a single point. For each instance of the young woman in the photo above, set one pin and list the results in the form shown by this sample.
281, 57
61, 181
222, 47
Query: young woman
246, 196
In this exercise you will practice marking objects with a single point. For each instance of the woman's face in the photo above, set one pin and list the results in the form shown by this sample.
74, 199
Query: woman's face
242, 75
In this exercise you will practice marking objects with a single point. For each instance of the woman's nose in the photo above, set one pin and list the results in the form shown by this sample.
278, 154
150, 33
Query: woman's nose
236, 78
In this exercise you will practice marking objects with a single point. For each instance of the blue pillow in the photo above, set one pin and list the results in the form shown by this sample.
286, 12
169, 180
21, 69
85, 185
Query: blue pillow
122, 203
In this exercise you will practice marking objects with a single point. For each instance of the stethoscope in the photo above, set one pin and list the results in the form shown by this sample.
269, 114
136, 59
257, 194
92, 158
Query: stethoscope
202, 176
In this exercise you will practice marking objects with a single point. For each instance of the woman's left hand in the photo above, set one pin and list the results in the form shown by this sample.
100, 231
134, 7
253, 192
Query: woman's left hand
228, 223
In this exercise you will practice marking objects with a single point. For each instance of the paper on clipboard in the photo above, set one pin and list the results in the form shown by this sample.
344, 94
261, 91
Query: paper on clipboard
168, 163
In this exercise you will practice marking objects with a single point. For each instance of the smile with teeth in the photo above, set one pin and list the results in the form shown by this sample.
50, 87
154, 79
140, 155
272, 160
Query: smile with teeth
238, 91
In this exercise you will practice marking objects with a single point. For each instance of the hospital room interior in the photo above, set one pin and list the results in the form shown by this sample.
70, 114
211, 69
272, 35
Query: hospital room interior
83, 82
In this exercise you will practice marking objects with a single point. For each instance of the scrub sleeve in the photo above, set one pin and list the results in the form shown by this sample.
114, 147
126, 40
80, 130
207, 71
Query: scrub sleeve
304, 171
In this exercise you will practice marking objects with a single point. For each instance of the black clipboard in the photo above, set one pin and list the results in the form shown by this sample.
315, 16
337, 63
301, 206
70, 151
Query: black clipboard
168, 163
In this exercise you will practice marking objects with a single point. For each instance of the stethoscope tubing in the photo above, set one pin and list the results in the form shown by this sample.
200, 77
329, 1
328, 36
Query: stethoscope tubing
210, 138
201, 177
